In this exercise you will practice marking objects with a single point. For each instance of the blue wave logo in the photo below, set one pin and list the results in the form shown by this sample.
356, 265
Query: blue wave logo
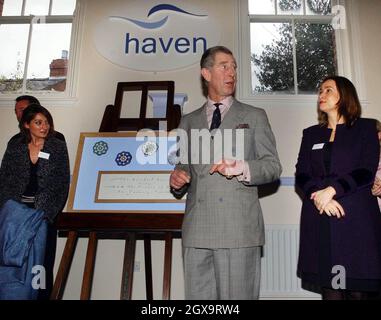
160, 23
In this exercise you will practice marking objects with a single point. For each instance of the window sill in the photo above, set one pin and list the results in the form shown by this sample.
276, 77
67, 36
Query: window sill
286, 100
279, 99
49, 102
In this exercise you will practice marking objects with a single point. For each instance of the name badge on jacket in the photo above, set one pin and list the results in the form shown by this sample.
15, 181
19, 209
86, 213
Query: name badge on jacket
318, 146
44, 155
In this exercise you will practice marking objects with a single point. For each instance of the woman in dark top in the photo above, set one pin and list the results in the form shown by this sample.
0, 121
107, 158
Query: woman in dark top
35, 171
340, 227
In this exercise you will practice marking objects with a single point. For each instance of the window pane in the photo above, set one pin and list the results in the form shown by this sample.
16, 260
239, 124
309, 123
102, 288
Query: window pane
315, 54
47, 68
11, 7
318, 7
12, 56
271, 58
63, 7
37, 7
261, 7
290, 7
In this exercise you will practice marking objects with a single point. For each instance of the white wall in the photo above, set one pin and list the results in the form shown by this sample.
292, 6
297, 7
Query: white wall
370, 44
97, 81
97, 85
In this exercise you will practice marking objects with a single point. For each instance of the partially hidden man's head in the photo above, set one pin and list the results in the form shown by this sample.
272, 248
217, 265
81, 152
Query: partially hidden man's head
22, 102
218, 72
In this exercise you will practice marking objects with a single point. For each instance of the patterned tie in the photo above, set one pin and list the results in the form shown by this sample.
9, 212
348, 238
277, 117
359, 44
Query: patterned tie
216, 120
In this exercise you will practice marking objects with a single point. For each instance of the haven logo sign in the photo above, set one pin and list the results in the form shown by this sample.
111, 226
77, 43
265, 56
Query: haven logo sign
156, 36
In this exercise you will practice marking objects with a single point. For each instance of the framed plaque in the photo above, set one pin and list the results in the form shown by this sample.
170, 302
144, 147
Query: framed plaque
133, 186
124, 172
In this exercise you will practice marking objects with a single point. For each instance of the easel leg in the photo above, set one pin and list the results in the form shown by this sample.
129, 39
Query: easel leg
128, 267
88, 271
148, 266
64, 268
167, 266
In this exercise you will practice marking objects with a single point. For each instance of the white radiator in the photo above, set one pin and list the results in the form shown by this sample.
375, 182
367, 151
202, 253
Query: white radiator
280, 255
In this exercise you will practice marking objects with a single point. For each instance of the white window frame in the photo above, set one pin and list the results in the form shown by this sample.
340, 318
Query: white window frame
51, 99
348, 56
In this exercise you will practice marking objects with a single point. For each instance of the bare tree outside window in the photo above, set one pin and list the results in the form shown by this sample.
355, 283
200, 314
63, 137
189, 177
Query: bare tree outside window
292, 57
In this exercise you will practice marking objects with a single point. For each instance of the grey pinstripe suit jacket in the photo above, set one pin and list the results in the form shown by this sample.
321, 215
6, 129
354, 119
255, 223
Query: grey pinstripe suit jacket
222, 213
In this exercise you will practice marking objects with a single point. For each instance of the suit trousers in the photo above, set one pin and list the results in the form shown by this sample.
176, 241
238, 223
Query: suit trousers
222, 274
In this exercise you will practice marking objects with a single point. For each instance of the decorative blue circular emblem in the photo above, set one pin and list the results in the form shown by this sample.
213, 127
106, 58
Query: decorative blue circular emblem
123, 158
100, 148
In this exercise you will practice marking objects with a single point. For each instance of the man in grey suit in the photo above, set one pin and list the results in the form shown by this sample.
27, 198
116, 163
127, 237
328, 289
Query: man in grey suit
223, 228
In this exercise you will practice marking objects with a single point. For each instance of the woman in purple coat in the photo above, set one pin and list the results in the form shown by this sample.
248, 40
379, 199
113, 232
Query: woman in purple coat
340, 227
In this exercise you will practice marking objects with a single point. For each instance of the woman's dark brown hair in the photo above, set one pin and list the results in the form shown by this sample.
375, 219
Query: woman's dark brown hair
349, 106
29, 114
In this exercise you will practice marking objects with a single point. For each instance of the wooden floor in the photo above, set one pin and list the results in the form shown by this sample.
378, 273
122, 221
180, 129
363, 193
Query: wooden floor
128, 226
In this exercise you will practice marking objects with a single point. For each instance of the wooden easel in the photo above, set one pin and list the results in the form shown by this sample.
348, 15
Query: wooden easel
128, 226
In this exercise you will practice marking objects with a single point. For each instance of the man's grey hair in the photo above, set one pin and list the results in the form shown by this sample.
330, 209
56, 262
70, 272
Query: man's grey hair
207, 59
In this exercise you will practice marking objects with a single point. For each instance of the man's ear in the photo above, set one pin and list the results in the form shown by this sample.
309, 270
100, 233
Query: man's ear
205, 72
